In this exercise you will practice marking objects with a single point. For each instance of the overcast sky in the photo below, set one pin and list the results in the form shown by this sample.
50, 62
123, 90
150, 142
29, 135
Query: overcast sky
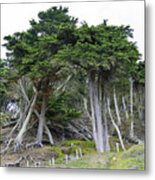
15, 17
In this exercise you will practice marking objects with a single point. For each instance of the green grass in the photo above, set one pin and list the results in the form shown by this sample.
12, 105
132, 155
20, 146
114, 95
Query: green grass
130, 159
57, 154
78, 143
87, 147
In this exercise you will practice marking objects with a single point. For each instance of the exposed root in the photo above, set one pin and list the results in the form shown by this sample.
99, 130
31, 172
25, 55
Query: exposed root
18, 146
7, 147
38, 144
15, 164
6, 140
28, 160
33, 145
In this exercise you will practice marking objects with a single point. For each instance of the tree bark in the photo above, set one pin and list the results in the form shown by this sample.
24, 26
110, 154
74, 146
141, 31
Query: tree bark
105, 127
13, 129
37, 114
116, 107
115, 125
93, 114
23, 90
97, 113
104, 93
49, 134
42, 120
19, 137
125, 108
131, 109
46, 129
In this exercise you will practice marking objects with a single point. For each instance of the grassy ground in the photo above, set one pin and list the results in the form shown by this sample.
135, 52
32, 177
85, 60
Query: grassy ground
130, 159
133, 158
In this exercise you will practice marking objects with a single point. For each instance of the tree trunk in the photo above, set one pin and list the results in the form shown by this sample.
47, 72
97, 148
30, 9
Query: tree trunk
93, 114
19, 137
47, 131
41, 121
97, 113
105, 127
131, 109
13, 129
98, 121
116, 107
23, 90
49, 134
37, 114
125, 108
103, 89
115, 125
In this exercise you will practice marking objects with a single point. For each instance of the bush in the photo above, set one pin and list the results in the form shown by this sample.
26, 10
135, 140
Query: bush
57, 154
87, 147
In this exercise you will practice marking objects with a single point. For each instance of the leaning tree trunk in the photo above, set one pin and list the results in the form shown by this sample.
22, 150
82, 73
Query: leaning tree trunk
41, 121
47, 131
115, 125
116, 107
9, 136
19, 137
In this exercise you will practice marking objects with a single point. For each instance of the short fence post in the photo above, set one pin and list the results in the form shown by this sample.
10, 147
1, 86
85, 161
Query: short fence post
66, 158
117, 147
77, 154
80, 152
53, 161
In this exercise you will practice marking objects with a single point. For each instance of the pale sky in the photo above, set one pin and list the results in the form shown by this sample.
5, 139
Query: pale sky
15, 17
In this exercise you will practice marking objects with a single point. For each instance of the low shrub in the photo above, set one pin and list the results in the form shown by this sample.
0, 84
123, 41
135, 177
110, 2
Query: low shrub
57, 154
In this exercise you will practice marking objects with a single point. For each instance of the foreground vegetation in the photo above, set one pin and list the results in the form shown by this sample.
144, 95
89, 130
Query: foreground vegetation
78, 154
131, 159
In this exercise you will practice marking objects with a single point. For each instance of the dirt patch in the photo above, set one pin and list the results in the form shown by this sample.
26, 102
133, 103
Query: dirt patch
36, 157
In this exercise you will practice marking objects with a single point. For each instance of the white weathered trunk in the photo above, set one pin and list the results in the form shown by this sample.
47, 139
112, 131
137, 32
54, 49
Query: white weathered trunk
131, 109
98, 116
92, 118
125, 108
105, 132
116, 107
47, 131
115, 125
37, 114
103, 94
49, 134
41, 121
13, 129
19, 137
23, 90
93, 114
